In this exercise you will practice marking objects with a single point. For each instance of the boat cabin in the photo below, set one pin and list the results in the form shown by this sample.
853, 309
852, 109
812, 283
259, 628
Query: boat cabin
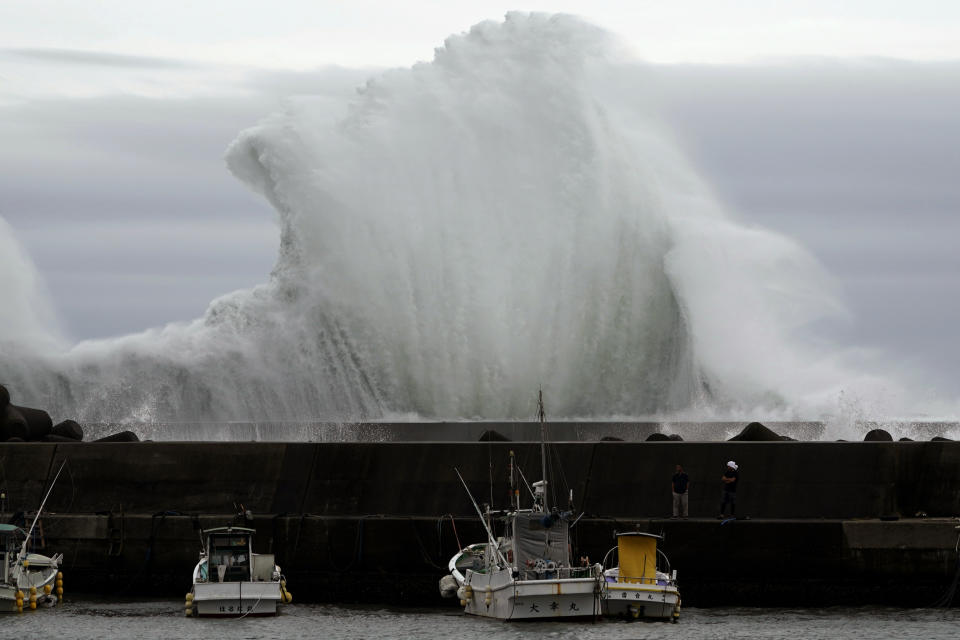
229, 554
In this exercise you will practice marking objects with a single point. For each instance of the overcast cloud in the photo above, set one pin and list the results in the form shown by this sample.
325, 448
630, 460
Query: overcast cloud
857, 160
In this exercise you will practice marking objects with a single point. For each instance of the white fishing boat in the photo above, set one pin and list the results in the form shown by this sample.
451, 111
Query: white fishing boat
231, 581
641, 584
28, 580
525, 573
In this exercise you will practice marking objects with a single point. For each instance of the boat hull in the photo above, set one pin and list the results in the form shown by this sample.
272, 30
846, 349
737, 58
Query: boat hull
43, 573
8, 600
235, 599
626, 600
510, 599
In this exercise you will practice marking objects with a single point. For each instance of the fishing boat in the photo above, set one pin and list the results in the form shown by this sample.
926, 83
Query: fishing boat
641, 584
231, 581
28, 580
526, 573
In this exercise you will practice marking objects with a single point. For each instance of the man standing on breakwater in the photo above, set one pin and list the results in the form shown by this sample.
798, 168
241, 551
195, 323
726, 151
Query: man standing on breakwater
729, 478
680, 484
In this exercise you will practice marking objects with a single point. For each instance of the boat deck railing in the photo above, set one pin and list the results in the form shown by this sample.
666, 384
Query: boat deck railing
640, 580
562, 573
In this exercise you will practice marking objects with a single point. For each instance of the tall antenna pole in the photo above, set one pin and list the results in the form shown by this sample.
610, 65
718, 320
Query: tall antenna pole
543, 447
23, 549
514, 492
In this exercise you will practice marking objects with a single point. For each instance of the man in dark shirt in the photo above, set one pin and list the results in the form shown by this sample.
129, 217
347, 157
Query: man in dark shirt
729, 478
680, 485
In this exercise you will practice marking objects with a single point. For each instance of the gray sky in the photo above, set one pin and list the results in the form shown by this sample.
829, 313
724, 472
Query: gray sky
837, 127
858, 161
303, 33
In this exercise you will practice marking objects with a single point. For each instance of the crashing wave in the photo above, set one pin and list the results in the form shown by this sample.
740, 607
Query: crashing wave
507, 216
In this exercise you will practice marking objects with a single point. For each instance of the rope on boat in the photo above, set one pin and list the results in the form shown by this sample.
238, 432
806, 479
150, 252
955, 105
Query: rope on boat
248, 611
453, 524
524, 478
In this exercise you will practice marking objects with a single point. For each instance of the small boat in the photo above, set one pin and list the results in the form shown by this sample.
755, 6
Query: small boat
231, 581
27, 580
526, 573
641, 585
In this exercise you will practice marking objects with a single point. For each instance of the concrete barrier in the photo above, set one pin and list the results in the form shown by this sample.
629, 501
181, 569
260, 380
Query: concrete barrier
617, 479
377, 522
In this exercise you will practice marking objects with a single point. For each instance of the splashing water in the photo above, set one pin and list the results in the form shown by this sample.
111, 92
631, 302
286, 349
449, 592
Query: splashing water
507, 216
26, 314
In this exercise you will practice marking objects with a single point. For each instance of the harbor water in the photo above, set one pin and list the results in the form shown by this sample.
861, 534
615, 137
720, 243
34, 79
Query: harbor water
163, 619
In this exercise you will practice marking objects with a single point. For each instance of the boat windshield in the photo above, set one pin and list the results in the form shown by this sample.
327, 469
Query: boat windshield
11, 537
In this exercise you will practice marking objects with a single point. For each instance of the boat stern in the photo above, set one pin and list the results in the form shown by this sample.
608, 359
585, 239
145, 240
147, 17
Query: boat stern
234, 599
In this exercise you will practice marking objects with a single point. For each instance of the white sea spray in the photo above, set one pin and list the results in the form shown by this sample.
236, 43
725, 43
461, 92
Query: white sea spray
510, 215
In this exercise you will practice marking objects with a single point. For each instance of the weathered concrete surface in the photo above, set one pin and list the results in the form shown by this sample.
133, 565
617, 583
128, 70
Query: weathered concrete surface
617, 479
375, 521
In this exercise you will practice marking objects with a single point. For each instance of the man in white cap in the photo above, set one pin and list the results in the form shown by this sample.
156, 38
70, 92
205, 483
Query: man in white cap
729, 493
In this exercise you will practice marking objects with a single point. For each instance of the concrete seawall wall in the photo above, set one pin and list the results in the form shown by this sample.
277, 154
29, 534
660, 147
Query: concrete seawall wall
617, 479
377, 521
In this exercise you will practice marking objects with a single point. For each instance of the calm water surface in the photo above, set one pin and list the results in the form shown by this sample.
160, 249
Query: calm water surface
163, 620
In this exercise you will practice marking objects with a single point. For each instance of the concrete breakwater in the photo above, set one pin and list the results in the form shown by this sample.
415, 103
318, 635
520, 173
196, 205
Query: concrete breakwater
829, 523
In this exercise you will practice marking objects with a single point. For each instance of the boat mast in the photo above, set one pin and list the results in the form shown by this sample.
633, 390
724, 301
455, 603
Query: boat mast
23, 549
514, 492
543, 447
